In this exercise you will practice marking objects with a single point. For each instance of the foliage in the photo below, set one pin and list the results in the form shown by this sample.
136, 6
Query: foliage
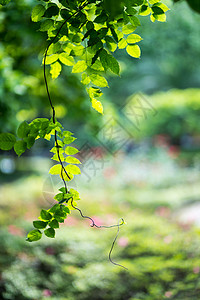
82, 34
163, 261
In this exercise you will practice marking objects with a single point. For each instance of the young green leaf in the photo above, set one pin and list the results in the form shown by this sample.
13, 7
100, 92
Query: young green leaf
7, 141
20, 147
71, 150
69, 139
66, 59
23, 130
40, 224
51, 59
133, 38
73, 169
97, 105
133, 50
45, 215
34, 235
72, 160
46, 25
55, 70
98, 80
37, 13
55, 170
54, 224
79, 67
50, 232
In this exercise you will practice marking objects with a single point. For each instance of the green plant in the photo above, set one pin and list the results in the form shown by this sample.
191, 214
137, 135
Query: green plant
81, 34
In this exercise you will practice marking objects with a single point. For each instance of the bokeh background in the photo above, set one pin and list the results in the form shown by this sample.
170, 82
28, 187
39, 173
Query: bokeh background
140, 161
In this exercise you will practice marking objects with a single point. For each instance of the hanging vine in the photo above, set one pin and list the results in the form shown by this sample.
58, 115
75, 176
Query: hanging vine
82, 35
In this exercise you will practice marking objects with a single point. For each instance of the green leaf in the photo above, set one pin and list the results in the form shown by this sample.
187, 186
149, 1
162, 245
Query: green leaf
34, 235
85, 79
50, 232
20, 147
71, 150
122, 44
98, 80
7, 141
73, 169
30, 140
37, 13
157, 10
72, 160
108, 61
69, 139
66, 59
133, 50
51, 59
45, 215
153, 1
51, 11
55, 170
133, 38
97, 105
55, 70
46, 25
40, 224
79, 67
129, 28
23, 130
54, 224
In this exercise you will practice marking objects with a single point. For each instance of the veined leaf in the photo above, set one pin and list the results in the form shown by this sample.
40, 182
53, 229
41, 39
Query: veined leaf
45, 215
98, 80
97, 105
23, 130
129, 28
40, 224
20, 147
55, 170
34, 235
79, 67
73, 169
133, 38
85, 79
66, 59
51, 59
46, 25
7, 141
72, 160
37, 13
133, 50
50, 232
122, 44
55, 70
71, 150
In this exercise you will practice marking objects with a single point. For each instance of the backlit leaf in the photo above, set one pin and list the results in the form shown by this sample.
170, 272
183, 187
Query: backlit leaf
55, 70
71, 150
98, 80
37, 13
97, 105
79, 67
73, 169
7, 141
34, 235
66, 59
133, 50
50, 232
133, 38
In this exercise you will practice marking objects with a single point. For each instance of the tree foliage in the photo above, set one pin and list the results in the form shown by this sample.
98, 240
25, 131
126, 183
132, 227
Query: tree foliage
82, 35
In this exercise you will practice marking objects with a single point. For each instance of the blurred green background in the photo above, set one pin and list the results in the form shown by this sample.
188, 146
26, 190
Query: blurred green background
141, 161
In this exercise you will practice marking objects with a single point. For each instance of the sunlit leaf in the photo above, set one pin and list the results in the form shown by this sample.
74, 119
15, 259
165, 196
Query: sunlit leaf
133, 50
55, 70
97, 105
